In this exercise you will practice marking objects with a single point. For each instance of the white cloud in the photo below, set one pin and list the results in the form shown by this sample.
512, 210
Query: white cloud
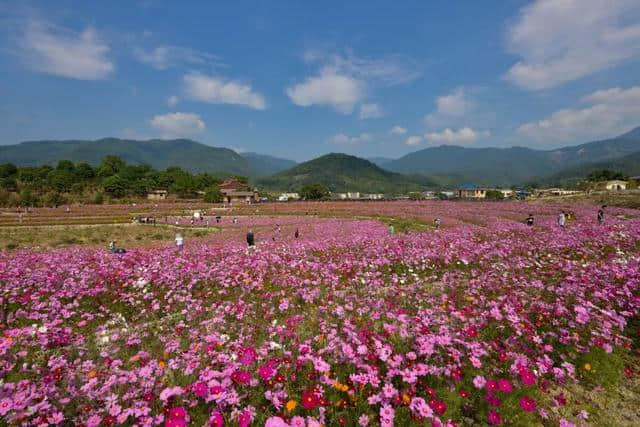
370, 111
398, 130
339, 91
172, 101
178, 124
389, 70
163, 57
218, 91
450, 108
342, 139
62, 52
563, 40
606, 113
460, 136
413, 140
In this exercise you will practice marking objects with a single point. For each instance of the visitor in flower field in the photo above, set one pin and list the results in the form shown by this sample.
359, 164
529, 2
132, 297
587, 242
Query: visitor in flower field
530, 220
296, 234
562, 219
436, 222
250, 239
392, 229
601, 215
179, 242
112, 246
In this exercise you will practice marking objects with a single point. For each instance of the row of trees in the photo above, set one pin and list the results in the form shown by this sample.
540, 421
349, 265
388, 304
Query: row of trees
113, 178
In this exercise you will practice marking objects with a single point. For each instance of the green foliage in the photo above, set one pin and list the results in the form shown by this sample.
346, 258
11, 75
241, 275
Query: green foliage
342, 173
605, 175
314, 192
9, 184
53, 199
60, 180
7, 170
598, 367
494, 195
27, 198
98, 199
82, 178
66, 165
114, 186
213, 195
110, 166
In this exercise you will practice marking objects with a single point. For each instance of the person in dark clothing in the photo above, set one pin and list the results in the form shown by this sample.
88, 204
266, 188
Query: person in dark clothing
296, 234
530, 220
250, 239
601, 215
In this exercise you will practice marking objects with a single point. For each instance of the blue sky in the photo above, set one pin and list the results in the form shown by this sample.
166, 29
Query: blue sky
299, 79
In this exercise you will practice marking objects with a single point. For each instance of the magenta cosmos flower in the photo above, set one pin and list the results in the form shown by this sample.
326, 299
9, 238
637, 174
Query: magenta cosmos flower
505, 386
527, 404
493, 418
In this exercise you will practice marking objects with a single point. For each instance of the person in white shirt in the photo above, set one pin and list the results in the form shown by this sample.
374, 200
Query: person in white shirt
179, 242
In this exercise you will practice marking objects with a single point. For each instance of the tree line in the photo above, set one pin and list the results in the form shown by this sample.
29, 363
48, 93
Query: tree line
113, 178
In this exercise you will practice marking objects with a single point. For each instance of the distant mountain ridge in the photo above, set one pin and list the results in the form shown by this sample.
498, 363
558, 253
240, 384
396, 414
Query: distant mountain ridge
158, 153
261, 165
341, 173
509, 166
445, 165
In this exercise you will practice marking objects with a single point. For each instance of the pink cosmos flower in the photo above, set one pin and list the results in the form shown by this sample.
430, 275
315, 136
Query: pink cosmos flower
170, 392
241, 377
200, 389
505, 386
245, 418
248, 356
298, 421
6, 405
94, 421
527, 404
216, 420
266, 372
363, 421
527, 377
479, 381
492, 385
493, 418
275, 422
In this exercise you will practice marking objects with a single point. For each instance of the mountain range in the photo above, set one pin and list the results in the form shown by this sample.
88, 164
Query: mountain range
442, 166
508, 166
342, 173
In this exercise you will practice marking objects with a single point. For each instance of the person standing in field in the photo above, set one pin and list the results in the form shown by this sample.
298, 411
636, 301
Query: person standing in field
530, 220
601, 215
250, 239
436, 222
296, 234
179, 242
392, 229
562, 219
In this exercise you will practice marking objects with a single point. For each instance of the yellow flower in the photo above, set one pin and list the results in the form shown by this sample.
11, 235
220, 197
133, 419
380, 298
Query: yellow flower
161, 364
405, 398
291, 405
587, 366
93, 374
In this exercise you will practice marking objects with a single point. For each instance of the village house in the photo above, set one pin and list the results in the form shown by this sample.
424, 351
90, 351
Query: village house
285, 197
506, 192
471, 191
545, 192
612, 185
374, 196
236, 191
157, 195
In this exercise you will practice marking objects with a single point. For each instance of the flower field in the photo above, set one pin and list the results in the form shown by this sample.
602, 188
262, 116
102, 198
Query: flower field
478, 323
